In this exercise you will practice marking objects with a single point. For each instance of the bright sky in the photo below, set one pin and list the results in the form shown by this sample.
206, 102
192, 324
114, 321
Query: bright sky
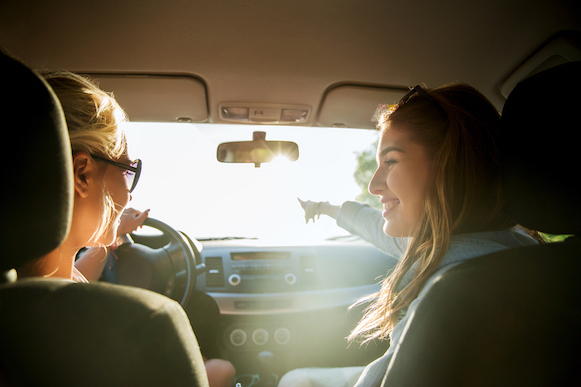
185, 186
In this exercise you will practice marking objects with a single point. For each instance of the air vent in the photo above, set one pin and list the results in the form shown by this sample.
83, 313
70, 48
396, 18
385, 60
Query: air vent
214, 272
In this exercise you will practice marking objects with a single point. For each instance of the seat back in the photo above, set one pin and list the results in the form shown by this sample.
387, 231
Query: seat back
57, 332
513, 317
37, 194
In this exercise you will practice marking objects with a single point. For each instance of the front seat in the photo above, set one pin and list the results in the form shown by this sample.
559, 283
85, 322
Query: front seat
513, 318
57, 332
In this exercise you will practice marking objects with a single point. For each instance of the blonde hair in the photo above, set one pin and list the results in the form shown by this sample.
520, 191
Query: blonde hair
93, 118
465, 195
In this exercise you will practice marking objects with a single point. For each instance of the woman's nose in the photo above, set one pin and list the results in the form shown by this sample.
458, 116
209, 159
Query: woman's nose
376, 184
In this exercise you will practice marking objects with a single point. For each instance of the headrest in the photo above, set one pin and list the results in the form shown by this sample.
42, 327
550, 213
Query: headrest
540, 150
36, 162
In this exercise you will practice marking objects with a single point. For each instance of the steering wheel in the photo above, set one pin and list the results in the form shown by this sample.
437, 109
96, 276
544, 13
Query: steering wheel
169, 269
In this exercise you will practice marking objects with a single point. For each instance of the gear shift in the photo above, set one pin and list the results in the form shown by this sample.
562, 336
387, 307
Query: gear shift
267, 378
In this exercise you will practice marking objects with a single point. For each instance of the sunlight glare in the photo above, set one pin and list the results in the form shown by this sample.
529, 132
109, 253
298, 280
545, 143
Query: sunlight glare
185, 186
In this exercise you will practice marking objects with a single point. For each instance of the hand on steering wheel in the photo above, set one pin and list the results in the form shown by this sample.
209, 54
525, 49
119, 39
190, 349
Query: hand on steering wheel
131, 220
170, 270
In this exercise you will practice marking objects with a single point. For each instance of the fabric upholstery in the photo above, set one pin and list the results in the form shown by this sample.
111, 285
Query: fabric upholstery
508, 319
36, 201
57, 332
540, 144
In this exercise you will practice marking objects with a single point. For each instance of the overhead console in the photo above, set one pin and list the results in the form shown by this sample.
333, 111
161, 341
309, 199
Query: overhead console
264, 113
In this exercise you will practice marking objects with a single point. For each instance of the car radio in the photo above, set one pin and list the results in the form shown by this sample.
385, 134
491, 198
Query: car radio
261, 270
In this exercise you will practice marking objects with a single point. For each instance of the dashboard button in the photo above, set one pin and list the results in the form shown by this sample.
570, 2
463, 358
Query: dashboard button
282, 336
290, 278
238, 337
234, 280
260, 336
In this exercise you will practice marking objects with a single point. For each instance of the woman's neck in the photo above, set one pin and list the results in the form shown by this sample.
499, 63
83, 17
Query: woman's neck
56, 264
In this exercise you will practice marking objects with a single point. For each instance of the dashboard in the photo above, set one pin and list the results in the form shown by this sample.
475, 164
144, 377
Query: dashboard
247, 278
290, 301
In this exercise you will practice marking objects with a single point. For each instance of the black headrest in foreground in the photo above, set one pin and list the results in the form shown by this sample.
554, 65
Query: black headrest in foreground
37, 195
540, 148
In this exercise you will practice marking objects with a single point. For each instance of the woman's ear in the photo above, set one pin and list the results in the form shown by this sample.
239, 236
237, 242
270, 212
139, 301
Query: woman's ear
84, 169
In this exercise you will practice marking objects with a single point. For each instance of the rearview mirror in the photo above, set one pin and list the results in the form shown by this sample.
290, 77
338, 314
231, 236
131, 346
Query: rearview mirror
257, 151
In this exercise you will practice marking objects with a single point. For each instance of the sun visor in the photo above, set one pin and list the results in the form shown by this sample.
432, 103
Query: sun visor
355, 106
157, 98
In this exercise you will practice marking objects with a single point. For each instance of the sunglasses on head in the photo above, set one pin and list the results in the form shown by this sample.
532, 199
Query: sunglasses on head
133, 170
418, 89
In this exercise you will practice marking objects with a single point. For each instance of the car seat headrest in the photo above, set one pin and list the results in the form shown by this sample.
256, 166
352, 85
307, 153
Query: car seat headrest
540, 153
36, 160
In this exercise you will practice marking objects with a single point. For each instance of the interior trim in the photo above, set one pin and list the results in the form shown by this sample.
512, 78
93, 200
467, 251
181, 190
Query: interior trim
276, 303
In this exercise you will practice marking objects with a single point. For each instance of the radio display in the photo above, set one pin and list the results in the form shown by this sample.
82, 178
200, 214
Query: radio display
268, 255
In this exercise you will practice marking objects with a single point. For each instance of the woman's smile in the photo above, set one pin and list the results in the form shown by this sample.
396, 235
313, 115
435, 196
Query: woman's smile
389, 205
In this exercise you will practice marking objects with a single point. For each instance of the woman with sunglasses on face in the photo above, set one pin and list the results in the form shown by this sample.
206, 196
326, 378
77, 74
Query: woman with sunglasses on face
103, 178
103, 173
439, 182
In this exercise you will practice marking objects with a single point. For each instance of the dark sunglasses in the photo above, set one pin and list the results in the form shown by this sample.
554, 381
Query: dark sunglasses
132, 174
418, 89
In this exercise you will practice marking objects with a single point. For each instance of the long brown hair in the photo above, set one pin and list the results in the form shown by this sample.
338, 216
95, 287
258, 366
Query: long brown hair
465, 195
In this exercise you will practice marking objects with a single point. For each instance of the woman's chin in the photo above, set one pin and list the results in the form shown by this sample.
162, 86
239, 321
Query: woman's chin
391, 230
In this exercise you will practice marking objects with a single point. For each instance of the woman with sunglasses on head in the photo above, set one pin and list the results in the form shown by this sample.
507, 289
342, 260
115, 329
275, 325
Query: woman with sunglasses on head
103, 178
438, 179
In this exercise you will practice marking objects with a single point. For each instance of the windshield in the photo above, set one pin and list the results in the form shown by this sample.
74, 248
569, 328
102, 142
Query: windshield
185, 186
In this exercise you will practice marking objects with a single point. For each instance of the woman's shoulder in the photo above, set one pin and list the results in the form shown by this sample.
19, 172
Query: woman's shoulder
513, 237
466, 246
